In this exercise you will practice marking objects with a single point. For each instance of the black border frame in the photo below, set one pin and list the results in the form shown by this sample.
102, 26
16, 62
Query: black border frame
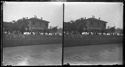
63, 22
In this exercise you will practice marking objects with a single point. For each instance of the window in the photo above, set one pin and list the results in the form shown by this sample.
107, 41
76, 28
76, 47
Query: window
33, 23
46, 25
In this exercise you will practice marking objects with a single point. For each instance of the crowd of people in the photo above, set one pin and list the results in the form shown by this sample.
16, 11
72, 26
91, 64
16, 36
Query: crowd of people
93, 36
45, 36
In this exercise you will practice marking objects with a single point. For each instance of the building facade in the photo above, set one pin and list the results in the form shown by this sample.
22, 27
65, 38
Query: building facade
85, 25
93, 24
37, 24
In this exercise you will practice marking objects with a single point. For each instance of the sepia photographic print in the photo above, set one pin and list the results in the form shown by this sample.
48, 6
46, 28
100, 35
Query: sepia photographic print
93, 33
32, 33
62, 32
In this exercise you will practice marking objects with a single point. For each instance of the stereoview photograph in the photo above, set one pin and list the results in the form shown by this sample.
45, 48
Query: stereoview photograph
93, 33
32, 33
62, 33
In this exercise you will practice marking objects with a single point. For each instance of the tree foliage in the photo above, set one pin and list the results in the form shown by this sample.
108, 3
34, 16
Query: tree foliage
19, 25
77, 26
53, 29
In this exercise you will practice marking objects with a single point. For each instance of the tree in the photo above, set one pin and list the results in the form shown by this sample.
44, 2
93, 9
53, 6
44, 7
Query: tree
54, 29
22, 24
111, 30
9, 26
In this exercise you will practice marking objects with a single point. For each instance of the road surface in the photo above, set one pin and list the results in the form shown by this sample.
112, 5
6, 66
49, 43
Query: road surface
93, 54
35, 55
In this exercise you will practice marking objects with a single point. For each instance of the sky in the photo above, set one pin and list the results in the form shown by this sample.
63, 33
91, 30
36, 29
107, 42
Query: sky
110, 12
52, 11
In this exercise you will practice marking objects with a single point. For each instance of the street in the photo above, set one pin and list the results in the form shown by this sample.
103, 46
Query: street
35, 55
93, 54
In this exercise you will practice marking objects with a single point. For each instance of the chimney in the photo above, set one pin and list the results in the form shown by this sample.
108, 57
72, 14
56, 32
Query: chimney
99, 18
41, 18
93, 16
35, 16
26, 17
85, 17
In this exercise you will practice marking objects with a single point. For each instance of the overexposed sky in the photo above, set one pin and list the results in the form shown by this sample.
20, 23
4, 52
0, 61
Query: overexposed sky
110, 12
51, 11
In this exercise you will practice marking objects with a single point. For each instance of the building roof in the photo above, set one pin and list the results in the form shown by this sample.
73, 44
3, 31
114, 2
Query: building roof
94, 19
38, 20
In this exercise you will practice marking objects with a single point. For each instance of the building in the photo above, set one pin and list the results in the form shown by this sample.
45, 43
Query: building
37, 24
93, 24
